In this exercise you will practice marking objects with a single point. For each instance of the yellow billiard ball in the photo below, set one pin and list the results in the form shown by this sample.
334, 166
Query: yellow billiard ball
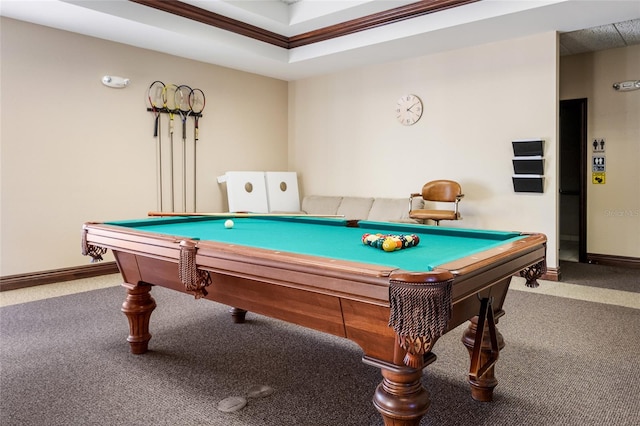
228, 224
389, 244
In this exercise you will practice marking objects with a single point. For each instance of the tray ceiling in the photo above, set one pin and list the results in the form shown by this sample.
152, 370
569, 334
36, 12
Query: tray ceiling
314, 37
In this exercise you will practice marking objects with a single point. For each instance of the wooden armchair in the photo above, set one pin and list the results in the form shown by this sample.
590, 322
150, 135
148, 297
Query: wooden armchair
440, 191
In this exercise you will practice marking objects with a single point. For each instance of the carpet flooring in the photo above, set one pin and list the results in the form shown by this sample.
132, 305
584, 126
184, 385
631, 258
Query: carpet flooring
65, 361
602, 276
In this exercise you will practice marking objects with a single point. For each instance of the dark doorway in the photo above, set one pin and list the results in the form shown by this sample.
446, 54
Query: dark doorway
573, 180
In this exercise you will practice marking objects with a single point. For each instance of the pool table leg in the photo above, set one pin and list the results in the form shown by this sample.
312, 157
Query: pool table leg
400, 398
138, 307
484, 349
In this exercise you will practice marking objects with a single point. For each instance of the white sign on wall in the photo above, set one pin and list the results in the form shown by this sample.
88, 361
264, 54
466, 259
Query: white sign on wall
598, 164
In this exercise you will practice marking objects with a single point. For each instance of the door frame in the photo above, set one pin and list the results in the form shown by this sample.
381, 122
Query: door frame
581, 105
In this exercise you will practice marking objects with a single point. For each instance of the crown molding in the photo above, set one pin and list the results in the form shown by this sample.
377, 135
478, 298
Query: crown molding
387, 17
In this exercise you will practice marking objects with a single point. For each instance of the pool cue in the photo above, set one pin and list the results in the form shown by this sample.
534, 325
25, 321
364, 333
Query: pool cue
172, 214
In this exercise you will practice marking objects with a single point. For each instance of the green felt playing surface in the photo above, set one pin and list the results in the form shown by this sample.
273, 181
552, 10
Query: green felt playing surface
331, 238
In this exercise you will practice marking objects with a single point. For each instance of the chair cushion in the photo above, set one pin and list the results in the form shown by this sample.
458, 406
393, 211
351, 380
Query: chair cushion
434, 214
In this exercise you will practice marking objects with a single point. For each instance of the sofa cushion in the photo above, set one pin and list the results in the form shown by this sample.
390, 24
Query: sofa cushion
390, 210
362, 208
321, 204
355, 207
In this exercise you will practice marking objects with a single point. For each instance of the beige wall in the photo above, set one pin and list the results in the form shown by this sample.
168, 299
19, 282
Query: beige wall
344, 137
613, 209
71, 160
73, 150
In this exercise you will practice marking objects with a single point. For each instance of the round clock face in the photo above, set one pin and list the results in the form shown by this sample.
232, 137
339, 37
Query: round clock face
409, 109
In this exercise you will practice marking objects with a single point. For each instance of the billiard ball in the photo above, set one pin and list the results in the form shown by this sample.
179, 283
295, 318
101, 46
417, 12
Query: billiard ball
389, 244
228, 224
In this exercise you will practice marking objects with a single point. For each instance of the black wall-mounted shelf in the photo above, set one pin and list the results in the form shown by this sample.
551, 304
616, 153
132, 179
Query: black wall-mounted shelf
532, 165
526, 147
528, 183
528, 165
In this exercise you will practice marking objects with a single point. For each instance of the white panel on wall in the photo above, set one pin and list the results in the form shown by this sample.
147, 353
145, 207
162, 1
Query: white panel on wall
246, 191
282, 191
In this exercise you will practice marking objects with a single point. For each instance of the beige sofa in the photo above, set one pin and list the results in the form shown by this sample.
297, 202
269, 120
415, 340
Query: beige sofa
361, 208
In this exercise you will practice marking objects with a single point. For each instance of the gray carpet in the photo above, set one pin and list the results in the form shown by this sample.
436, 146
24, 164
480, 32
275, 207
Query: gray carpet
603, 276
65, 361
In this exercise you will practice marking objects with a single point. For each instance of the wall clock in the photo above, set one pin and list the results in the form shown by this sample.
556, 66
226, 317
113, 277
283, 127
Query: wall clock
409, 110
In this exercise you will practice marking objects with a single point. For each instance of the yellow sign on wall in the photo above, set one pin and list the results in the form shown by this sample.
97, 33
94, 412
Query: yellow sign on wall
598, 178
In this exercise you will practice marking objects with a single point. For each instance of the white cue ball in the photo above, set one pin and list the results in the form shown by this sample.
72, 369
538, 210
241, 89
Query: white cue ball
228, 224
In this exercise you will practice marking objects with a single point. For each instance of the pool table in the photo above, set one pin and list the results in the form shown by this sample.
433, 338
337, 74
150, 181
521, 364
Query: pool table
317, 273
